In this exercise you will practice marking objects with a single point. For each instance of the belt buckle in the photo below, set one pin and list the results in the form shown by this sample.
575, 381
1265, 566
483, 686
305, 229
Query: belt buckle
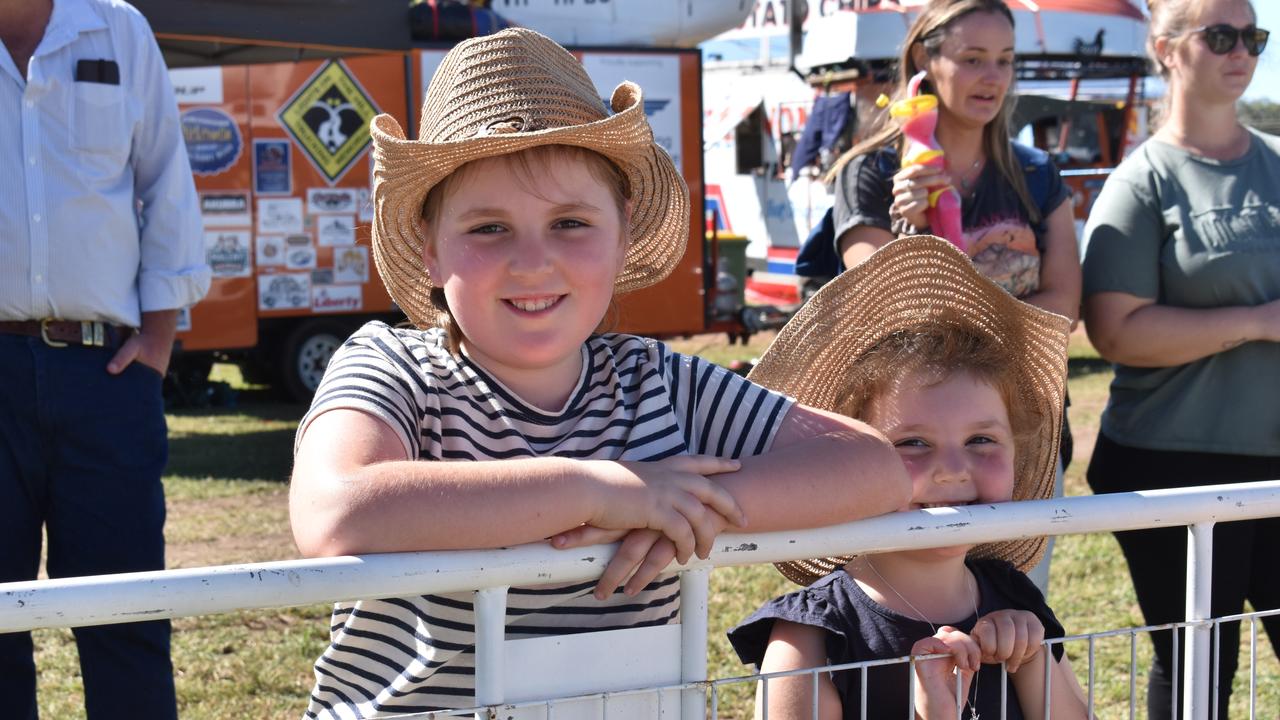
44, 335
91, 333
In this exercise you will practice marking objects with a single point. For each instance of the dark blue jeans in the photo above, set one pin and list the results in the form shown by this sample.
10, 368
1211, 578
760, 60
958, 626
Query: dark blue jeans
81, 455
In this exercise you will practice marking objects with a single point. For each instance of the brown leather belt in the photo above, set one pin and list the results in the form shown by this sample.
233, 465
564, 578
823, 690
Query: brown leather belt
61, 333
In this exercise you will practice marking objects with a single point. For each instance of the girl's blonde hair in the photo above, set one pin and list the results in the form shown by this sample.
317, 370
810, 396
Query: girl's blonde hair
524, 165
929, 30
943, 348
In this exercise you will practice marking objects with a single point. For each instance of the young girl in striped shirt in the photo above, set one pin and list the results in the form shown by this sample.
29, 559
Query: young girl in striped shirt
503, 417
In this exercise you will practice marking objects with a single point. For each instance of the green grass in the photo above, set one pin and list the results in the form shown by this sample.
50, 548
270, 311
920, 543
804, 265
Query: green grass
227, 495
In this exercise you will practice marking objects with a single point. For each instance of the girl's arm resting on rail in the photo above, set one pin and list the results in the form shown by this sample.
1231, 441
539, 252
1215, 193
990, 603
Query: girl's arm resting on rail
354, 491
822, 469
1139, 332
1060, 282
793, 646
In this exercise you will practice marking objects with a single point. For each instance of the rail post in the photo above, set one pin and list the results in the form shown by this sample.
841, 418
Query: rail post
1195, 686
491, 630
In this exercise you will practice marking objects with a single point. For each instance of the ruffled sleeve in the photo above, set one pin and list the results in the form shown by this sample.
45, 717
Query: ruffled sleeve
810, 606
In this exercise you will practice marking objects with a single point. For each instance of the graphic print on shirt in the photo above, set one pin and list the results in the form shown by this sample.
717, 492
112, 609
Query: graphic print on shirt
1004, 250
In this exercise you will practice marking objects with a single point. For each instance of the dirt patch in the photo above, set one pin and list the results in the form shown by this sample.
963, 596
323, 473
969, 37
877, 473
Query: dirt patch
229, 530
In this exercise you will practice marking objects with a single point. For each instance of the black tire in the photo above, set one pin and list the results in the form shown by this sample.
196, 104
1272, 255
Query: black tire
306, 354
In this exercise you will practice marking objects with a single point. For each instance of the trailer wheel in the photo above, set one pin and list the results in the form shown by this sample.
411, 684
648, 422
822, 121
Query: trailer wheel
306, 355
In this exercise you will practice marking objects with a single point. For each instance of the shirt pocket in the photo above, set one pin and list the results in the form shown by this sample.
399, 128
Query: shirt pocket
99, 119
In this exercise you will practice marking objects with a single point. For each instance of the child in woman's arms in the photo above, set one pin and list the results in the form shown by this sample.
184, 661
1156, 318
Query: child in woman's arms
967, 382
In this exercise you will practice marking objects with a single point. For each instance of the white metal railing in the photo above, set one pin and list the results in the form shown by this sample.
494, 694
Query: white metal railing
102, 600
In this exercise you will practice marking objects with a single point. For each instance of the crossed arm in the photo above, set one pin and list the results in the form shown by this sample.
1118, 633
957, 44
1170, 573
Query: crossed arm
355, 491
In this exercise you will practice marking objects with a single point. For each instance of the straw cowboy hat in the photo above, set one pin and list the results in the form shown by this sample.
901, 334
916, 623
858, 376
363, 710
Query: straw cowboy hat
501, 94
909, 281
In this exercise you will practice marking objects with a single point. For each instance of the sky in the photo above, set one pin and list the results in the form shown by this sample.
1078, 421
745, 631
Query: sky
1266, 81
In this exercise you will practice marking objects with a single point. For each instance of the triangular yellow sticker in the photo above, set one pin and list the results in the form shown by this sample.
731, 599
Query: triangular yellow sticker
329, 118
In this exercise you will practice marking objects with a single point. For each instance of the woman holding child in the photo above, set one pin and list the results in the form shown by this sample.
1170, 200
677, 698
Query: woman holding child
504, 416
1182, 293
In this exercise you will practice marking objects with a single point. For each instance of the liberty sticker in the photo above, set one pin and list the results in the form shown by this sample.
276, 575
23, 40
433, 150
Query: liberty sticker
329, 118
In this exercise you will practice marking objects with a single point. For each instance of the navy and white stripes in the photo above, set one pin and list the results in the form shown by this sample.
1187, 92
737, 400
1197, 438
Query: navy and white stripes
635, 400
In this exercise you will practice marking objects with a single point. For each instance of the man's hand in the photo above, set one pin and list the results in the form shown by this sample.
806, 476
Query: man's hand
152, 345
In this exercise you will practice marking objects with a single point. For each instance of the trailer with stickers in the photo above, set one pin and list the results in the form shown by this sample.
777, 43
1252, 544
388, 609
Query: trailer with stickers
280, 149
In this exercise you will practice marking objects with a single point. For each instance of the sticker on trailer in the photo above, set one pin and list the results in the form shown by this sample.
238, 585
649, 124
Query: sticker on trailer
330, 298
213, 140
659, 76
271, 167
282, 215
300, 258
225, 209
284, 292
336, 230
270, 250
364, 202
197, 86
331, 200
329, 118
184, 319
322, 276
227, 253
351, 265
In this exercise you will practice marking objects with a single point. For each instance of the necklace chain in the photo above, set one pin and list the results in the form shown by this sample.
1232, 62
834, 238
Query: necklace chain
973, 703
965, 182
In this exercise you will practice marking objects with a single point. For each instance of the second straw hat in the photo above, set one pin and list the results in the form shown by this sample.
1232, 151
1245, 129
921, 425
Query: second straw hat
909, 281
500, 94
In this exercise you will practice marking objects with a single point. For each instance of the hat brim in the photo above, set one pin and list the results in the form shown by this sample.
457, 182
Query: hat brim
406, 170
908, 281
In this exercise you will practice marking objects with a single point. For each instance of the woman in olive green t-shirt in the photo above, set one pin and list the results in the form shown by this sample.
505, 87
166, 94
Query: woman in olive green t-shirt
1182, 293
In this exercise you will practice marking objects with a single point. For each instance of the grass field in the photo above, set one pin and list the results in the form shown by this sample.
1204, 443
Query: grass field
227, 503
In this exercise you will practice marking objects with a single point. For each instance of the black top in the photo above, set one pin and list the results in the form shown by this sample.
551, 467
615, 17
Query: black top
859, 629
1003, 242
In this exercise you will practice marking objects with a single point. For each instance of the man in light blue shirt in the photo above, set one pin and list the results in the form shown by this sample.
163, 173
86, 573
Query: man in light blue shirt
100, 246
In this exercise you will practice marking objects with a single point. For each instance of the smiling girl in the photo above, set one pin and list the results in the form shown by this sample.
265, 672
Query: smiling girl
969, 388
503, 416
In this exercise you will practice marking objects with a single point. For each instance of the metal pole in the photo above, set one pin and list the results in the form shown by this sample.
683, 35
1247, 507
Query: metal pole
1195, 686
491, 629
693, 639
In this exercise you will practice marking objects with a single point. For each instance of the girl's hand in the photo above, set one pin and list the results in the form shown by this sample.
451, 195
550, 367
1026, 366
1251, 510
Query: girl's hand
642, 555
911, 187
673, 496
1012, 637
935, 682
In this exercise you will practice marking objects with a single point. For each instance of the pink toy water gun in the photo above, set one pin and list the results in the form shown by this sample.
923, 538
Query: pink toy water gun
918, 115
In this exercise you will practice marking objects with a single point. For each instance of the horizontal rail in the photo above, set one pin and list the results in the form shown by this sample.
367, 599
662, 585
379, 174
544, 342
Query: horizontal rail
131, 597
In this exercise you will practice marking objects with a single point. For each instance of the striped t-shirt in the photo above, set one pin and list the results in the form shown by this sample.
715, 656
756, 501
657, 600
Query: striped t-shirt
635, 400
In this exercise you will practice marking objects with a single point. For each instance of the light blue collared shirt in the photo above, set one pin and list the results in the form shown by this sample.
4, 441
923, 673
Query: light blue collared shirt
99, 218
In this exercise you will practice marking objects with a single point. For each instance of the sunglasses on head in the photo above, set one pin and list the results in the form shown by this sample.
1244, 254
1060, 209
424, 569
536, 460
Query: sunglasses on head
1222, 38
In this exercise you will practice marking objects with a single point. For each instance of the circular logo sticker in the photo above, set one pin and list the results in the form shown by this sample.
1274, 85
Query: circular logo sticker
213, 140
